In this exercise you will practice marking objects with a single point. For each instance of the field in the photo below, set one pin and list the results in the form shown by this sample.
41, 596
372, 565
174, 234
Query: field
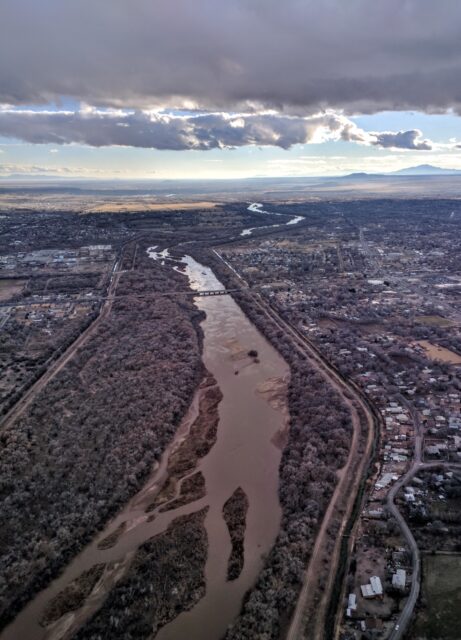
435, 352
440, 619
9, 288
435, 321
121, 206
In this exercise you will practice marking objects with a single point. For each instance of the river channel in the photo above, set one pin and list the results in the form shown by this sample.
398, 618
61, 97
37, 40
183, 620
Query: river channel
252, 418
257, 207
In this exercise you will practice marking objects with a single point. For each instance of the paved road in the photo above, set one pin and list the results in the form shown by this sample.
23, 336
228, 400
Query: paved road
407, 611
417, 465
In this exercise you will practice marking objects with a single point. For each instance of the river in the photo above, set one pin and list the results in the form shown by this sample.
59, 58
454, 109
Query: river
251, 420
257, 207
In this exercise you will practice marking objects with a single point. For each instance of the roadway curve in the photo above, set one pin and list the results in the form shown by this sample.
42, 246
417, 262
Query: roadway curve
407, 611
418, 465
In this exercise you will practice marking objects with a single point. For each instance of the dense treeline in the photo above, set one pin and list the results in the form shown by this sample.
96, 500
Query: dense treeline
318, 445
234, 513
85, 444
167, 576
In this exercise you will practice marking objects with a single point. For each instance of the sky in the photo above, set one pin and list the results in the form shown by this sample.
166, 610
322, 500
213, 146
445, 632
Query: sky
228, 89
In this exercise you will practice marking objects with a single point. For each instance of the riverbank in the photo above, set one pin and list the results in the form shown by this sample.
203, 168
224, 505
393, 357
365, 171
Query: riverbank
87, 439
316, 448
233, 447
184, 458
165, 578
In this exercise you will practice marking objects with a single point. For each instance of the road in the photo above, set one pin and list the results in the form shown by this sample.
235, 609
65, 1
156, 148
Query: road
349, 478
341, 503
57, 365
417, 466
407, 611
296, 629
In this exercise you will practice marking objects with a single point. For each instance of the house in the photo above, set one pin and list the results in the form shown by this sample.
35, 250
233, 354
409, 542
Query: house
375, 588
367, 591
351, 604
376, 585
399, 579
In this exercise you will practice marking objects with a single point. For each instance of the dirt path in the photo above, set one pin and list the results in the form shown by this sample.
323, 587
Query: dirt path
325, 557
57, 365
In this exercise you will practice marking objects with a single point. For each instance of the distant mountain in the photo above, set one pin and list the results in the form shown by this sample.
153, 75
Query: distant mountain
361, 175
419, 170
425, 170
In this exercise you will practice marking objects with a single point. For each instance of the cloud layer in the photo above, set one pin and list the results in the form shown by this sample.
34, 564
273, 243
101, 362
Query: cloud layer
207, 131
298, 56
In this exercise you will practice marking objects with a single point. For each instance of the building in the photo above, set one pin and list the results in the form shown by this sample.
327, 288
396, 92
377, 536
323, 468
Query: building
351, 604
399, 579
376, 585
372, 590
367, 591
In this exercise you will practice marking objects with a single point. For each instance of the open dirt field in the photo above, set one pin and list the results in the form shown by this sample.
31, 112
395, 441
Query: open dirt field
139, 205
436, 352
9, 288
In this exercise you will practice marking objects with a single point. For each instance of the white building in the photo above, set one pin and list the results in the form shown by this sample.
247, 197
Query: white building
376, 585
399, 579
351, 604
375, 588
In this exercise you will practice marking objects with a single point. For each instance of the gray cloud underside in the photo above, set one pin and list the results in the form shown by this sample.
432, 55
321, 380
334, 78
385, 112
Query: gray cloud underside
297, 55
201, 132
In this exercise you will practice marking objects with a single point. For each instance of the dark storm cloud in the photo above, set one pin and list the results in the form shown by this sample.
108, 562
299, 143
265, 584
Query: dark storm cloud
296, 55
202, 132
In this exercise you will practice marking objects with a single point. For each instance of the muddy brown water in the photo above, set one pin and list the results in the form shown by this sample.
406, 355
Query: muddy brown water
244, 455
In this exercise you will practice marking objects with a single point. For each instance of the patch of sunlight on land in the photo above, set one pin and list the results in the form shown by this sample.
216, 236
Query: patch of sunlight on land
128, 207
435, 352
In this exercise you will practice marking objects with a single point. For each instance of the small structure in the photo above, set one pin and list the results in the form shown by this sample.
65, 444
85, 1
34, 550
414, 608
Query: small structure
375, 588
367, 591
399, 579
351, 604
376, 585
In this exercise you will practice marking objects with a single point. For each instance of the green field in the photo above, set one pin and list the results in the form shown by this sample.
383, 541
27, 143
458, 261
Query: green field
434, 321
440, 618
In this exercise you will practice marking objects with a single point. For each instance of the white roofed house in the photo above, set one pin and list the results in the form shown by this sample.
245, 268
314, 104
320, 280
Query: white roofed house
399, 579
376, 585
367, 591
351, 605
372, 590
